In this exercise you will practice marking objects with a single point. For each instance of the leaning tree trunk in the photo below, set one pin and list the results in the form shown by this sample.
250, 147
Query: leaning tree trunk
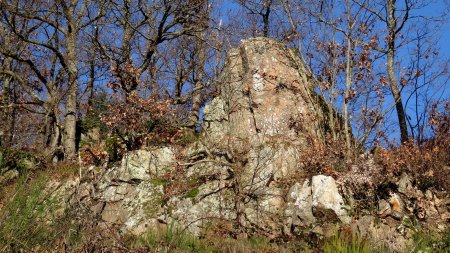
391, 73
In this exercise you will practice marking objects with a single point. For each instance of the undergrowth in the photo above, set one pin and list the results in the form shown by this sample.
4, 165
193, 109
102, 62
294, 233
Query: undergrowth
425, 242
343, 243
175, 239
25, 219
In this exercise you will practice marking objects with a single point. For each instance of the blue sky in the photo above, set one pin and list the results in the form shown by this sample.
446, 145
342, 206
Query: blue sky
435, 8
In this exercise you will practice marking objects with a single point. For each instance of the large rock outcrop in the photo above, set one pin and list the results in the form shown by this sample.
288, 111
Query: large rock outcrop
245, 168
266, 113
251, 145
264, 94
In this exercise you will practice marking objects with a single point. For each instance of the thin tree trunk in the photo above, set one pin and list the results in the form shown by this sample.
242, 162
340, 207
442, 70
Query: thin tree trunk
199, 72
153, 83
330, 104
8, 130
91, 83
391, 73
348, 83
266, 24
265, 17
348, 79
180, 79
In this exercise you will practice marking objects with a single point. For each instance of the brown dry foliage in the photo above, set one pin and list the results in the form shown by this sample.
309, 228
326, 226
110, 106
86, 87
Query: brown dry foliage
327, 158
429, 161
134, 114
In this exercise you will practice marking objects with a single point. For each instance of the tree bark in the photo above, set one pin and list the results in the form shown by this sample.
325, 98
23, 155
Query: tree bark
348, 83
199, 76
348, 78
391, 72
71, 98
8, 130
266, 20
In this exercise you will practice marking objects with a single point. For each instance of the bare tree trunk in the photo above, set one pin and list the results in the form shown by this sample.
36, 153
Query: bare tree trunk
70, 148
8, 130
152, 70
391, 73
348, 79
91, 83
199, 76
266, 16
331, 111
348, 83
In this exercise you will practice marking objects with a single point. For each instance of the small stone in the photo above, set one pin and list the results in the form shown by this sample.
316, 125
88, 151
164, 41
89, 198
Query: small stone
111, 195
97, 208
83, 192
142, 164
383, 207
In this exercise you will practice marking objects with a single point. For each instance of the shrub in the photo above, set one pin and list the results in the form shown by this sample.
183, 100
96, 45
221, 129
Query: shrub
326, 158
427, 160
17, 159
134, 119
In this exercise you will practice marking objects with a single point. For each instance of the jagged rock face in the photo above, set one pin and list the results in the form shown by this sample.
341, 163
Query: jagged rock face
264, 93
265, 113
266, 109
242, 170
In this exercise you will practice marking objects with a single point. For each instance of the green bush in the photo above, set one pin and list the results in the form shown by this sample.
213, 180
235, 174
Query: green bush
16, 159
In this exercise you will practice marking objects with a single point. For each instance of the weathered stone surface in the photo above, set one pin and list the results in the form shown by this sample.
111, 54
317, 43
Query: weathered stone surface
194, 212
131, 195
325, 196
266, 110
62, 193
145, 164
299, 208
383, 233
405, 184
114, 213
384, 208
264, 93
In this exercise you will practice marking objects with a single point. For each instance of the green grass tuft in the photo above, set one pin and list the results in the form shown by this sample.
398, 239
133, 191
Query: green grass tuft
347, 244
24, 221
